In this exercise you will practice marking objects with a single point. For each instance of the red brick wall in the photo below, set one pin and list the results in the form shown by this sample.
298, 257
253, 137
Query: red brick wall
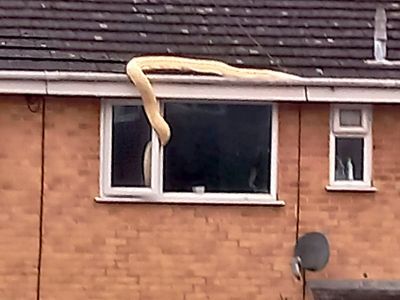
111, 251
363, 228
20, 157
132, 251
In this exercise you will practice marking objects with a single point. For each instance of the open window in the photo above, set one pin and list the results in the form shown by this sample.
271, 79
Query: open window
350, 147
220, 151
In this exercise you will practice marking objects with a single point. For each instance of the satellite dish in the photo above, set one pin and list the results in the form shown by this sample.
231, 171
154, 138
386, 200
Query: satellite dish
311, 253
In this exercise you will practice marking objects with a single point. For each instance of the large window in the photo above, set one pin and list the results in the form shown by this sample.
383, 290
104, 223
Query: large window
219, 150
350, 146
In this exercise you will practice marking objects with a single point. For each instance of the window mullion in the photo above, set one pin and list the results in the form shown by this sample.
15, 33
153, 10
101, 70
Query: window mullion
368, 158
106, 148
157, 160
274, 151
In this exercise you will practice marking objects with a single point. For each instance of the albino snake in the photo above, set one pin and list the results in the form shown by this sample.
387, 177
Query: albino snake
136, 67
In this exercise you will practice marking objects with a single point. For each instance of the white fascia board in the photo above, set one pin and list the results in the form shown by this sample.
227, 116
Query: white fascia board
353, 94
202, 87
193, 86
176, 90
118, 85
91, 88
234, 92
22, 86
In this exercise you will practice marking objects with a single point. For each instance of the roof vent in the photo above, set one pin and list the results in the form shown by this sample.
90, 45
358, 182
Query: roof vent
380, 35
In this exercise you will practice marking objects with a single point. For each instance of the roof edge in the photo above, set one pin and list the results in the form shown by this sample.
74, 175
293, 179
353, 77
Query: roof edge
117, 77
112, 85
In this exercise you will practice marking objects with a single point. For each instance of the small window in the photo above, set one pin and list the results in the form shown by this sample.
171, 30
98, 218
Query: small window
347, 119
218, 150
350, 146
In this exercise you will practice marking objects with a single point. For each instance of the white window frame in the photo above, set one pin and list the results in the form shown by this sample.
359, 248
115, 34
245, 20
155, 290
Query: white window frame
155, 193
365, 132
106, 155
365, 120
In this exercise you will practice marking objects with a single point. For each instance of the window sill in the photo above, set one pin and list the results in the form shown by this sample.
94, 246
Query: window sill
344, 188
192, 200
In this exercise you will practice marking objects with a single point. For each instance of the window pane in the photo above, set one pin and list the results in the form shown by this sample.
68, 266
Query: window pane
350, 117
218, 148
349, 159
130, 135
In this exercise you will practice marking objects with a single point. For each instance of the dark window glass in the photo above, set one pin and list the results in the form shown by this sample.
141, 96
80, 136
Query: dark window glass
349, 163
130, 135
218, 148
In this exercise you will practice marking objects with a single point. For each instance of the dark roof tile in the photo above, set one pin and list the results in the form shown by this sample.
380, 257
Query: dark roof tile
307, 37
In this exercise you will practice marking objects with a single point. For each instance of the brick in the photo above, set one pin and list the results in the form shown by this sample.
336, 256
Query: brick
160, 251
20, 153
356, 223
108, 251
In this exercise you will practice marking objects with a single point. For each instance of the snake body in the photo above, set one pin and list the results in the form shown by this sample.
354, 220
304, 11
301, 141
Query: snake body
138, 65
